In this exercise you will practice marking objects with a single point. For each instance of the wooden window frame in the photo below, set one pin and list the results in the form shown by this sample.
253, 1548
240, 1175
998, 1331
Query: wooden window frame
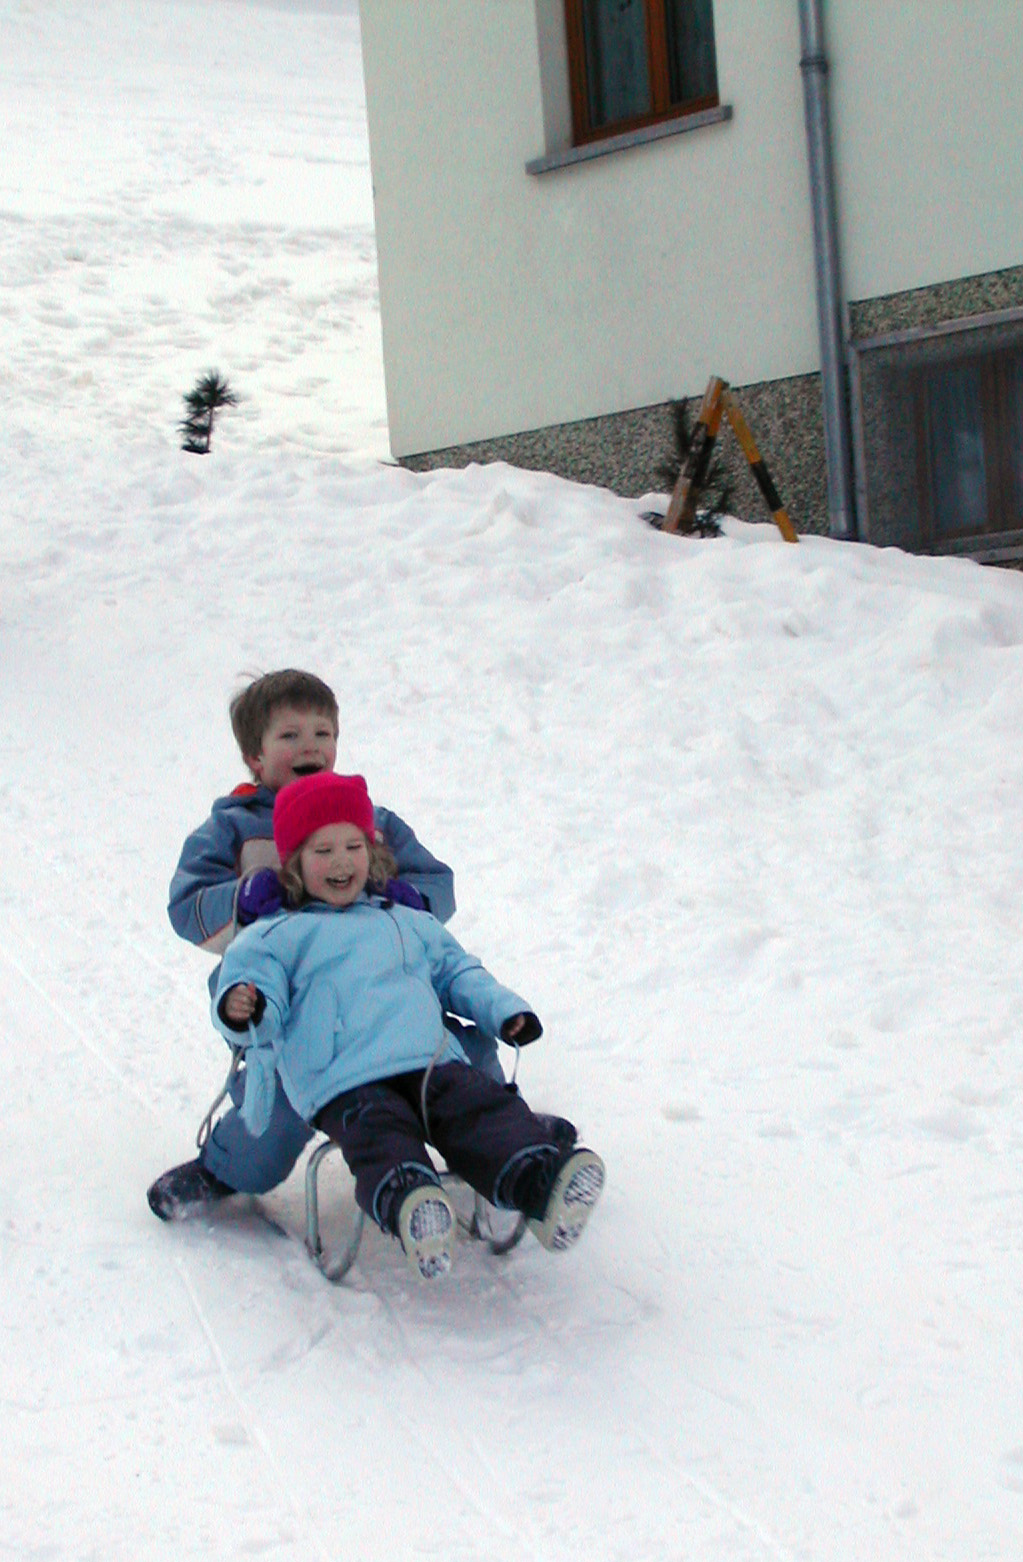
583, 130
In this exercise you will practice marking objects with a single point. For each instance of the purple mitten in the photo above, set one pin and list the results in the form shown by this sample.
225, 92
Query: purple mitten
404, 895
259, 895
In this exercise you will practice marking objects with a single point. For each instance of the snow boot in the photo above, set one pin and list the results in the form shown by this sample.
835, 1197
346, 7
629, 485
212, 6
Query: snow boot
562, 1132
426, 1230
578, 1181
186, 1190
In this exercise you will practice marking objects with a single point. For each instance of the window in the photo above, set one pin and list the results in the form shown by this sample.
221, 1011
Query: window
970, 444
635, 62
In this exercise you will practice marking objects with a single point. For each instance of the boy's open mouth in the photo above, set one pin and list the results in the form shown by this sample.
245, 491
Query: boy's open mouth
306, 770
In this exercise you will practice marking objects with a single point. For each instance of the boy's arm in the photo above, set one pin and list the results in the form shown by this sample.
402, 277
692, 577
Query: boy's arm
432, 878
205, 882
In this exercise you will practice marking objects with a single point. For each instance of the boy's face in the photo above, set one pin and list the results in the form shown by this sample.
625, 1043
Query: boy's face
295, 743
334, 863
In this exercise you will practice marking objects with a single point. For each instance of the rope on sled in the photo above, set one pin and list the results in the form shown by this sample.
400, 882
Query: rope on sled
206, 1126
433, 1064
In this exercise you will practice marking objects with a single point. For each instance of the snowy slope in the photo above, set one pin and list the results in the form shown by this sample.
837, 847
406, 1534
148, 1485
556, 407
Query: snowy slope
739, 818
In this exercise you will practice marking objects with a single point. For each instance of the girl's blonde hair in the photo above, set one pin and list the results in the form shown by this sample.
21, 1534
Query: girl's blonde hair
382, 867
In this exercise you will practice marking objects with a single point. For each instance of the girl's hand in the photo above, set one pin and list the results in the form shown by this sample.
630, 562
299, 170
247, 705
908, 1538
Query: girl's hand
240, 1003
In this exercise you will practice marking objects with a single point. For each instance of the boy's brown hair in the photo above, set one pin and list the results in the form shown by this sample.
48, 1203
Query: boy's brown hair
252, 708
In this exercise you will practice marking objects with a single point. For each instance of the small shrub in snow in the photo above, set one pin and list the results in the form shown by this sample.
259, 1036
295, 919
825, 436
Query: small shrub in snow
203, 402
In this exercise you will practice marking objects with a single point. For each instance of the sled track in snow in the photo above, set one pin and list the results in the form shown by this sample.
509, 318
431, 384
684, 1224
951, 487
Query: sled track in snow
24, 975
462, 1450
249, 1421
768, 1547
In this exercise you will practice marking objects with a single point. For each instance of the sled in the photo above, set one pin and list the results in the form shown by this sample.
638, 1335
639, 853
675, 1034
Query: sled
335, 1265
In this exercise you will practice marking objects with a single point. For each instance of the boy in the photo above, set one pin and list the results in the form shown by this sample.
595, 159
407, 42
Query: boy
286, 724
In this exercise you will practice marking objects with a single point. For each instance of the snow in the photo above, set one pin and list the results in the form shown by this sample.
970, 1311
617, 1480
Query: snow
740, 818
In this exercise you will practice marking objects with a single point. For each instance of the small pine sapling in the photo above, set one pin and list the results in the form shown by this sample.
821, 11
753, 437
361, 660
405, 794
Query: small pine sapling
210, 393
715, 493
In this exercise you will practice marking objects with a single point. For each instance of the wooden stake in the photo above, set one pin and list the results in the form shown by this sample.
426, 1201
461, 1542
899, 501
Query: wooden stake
757, 466
682, 507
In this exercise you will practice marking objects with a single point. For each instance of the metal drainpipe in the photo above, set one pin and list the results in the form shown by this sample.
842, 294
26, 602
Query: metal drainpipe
830, 320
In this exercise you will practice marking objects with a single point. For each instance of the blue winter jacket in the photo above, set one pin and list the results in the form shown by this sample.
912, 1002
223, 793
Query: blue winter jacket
237, 838
352, 995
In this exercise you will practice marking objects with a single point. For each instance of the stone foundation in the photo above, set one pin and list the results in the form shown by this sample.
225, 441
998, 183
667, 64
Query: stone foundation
891, 336
623, 450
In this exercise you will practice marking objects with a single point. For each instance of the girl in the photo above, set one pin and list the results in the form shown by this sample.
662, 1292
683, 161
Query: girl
345, 1000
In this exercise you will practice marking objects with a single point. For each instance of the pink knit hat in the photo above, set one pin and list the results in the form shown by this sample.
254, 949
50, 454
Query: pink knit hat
306, 805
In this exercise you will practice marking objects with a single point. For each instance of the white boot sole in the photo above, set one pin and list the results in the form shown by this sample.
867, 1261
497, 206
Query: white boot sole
577, 1187
426, 1228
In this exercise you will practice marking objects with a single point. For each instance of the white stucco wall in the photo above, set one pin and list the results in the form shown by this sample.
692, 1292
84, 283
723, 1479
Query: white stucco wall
927, 102
511, 301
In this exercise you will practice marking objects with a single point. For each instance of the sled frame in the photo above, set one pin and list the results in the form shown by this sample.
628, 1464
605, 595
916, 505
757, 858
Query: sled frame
334, 1266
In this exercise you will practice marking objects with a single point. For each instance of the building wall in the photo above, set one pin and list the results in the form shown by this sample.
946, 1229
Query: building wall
927, 105
513, 302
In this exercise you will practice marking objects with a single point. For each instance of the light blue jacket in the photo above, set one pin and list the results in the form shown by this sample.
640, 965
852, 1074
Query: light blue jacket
352, 995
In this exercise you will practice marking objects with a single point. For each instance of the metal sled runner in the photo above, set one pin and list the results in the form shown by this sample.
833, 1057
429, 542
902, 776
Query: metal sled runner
334, 1266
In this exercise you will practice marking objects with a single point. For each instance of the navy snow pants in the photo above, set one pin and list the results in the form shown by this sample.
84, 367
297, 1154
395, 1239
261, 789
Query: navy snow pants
483, 1129
252, 1165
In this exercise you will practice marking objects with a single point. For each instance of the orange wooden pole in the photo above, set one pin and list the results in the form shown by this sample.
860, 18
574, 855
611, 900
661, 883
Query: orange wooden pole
682, 506
758, 467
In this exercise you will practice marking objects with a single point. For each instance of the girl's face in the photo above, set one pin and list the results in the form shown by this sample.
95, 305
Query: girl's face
334, 864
